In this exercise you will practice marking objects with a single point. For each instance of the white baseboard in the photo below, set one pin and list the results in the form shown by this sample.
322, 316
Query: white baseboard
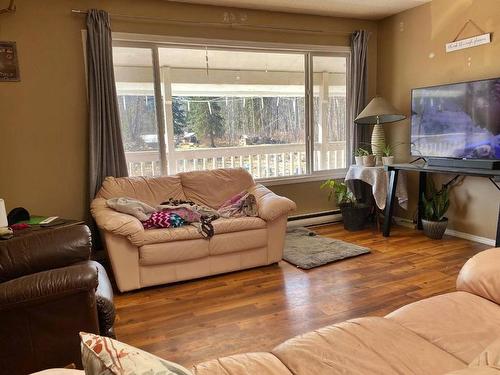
450, 232
325, 219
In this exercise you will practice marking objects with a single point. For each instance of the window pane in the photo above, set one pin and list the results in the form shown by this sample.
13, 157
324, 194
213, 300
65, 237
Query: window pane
245, 110
136, 101
330, 107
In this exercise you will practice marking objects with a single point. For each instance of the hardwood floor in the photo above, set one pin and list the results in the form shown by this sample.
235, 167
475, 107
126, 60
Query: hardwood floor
257, 309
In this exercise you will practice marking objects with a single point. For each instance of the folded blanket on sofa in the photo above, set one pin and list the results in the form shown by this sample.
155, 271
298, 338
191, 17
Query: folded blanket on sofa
130, 206
242, 204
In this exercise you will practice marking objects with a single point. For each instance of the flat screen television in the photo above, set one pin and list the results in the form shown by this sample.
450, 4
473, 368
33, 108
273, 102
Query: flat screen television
460, 120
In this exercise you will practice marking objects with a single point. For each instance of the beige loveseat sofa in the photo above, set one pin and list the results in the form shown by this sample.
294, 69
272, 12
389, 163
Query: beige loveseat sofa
142, 258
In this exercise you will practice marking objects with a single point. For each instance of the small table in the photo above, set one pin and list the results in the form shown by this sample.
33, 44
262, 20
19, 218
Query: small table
36, 228
378, 178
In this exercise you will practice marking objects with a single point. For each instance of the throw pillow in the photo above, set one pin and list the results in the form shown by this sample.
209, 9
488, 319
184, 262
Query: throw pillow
105, 356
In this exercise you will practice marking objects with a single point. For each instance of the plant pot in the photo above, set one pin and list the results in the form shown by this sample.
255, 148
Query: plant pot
435, 229
359, 160
387, 160
354, 216
369, 160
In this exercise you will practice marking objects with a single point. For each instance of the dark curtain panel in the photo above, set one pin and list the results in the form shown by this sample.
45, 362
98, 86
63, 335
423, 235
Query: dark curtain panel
106, 153
360, 134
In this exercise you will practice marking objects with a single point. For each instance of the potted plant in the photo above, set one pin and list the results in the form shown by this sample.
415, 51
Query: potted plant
358, 155
354, 213
388, 155
435, 206
369, 160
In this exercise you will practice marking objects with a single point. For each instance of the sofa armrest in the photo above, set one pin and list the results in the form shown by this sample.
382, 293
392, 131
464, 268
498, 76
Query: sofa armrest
104, 298
480, 275
44, 250
115, 222
270, 205
45, 286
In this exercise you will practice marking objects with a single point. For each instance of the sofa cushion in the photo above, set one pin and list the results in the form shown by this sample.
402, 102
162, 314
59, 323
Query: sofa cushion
160, 235
364, 346
152, 190
171, 252
190, 232
237, 224
480, 275
212, 188
460, 323
238, 241
243, 364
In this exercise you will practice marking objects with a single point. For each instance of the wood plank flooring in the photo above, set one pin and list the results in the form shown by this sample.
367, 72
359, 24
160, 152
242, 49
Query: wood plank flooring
257, 309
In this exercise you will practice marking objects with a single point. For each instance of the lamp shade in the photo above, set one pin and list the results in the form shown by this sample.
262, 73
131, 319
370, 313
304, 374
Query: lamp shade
3, 214
379, 111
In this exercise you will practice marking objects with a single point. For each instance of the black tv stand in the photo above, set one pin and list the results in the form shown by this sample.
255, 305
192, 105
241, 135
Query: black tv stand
488, 164
423, 170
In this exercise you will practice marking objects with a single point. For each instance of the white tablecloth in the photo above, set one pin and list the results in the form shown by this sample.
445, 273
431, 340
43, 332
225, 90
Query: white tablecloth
379, 180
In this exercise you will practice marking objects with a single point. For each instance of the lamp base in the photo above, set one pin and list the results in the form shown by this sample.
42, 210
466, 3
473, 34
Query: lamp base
378, 140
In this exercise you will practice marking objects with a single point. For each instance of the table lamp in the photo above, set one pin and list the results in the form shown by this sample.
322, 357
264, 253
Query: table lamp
3, 215
379, 111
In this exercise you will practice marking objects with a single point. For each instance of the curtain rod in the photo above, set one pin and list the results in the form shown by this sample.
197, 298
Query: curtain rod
219, 24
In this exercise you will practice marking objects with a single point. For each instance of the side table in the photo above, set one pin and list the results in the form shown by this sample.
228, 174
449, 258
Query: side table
378, 178
36, 228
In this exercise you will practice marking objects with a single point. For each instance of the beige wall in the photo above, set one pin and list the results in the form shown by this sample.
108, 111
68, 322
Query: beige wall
43, 123
411, 48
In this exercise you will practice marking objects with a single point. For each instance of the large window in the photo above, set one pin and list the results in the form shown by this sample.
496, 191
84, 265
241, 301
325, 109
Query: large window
185, 108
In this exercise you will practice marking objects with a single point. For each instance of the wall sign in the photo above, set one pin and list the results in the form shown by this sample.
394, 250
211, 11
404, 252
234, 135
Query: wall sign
9, 67
469, 42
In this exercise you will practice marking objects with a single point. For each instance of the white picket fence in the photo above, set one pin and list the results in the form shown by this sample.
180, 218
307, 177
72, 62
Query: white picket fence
262, 161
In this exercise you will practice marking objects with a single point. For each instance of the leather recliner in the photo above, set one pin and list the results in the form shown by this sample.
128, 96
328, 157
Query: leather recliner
49, 291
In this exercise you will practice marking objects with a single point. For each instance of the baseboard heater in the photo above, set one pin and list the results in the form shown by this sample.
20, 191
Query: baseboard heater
315, 218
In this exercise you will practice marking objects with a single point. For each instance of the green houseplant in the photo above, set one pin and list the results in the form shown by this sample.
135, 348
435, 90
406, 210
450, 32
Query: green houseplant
388, 155
369, 159
358, 155
434, 206
354, 213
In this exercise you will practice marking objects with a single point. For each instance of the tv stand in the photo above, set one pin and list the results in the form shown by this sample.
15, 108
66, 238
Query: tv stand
488, 164
419, 158
492, 175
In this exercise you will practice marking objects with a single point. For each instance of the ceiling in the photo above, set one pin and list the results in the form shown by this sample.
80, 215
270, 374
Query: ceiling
364, 9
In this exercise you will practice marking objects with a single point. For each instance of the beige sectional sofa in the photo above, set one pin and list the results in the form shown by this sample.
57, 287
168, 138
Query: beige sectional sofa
456, 333
142, 258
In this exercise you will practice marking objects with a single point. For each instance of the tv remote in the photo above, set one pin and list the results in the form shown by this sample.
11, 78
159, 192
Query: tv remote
49, 220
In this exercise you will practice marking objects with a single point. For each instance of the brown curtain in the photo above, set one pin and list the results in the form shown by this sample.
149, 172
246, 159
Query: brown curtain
106, 153
360, 134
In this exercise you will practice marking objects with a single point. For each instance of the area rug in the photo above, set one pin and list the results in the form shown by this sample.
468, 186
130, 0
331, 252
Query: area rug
307, 250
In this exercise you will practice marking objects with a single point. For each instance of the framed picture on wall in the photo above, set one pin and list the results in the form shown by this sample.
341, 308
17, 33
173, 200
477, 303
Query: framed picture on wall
9, 67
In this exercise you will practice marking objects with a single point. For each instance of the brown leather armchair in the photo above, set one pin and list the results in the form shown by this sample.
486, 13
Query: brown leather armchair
50, 291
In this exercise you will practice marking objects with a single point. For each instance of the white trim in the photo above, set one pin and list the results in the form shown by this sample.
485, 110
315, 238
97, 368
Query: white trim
323, 176
326, 219
470, 237
309, 51
450, 232
124, 38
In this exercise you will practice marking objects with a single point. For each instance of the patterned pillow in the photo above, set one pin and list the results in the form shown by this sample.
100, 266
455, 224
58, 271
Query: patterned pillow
105, 356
